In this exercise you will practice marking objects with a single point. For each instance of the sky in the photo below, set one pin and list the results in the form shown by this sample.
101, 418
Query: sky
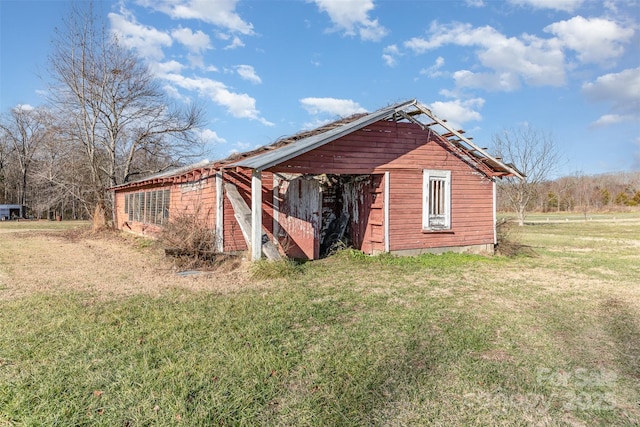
268, 69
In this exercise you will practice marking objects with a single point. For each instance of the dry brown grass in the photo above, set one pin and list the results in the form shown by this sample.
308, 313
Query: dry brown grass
105, 264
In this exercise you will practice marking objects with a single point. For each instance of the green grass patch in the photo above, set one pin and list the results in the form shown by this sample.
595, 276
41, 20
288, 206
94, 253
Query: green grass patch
40, 225
451, 339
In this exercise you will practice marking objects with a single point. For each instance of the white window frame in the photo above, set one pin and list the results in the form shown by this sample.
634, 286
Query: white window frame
428, 223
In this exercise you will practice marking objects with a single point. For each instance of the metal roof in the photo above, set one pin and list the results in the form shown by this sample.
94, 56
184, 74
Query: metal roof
169, 173
294, 149
408, 110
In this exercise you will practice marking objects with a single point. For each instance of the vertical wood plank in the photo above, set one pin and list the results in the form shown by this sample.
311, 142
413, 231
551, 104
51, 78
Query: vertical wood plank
495, 217
219, 212
256, 215
386, 211
276, 207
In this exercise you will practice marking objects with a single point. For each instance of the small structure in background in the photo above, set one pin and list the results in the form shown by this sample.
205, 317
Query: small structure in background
398, 180
9, 212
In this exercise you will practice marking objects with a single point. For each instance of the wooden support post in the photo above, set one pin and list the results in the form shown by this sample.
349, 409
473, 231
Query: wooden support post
495, 216
276, 208
386, 212
219, 213
256, 215
242, 213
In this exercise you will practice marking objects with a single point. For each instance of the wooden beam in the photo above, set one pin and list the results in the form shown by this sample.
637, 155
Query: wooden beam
219, 213
386, 212
243, 215
256, 215
276, 207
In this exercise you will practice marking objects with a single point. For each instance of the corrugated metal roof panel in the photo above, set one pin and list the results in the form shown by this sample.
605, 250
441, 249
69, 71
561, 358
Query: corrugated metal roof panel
168, 173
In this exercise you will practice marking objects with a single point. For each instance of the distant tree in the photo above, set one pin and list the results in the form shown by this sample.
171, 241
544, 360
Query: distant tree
605, 197
111, 107
622, 199
24, 130
535, 154
584, 192
4, 154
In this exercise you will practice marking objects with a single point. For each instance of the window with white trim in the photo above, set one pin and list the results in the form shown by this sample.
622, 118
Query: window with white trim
436, 200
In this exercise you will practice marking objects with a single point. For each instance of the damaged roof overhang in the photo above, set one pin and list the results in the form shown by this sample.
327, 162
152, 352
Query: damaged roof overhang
410, 111
287, 148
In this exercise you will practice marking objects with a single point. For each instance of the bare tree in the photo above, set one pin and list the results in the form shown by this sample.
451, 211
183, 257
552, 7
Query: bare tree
112, 106
4, 155
535, 154
24, 130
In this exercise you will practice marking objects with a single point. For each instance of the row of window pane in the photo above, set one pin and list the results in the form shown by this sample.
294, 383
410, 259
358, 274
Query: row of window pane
148, 207
437, 212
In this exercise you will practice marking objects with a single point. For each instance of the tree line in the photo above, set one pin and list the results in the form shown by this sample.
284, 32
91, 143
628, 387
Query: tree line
106, 121
583, 193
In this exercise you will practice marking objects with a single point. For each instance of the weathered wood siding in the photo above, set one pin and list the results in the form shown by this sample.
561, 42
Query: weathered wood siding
405, 151
299, 217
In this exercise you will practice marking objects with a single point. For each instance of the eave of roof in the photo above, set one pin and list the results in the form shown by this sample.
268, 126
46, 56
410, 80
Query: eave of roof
166, 176
288, 148
407, 110
279, 155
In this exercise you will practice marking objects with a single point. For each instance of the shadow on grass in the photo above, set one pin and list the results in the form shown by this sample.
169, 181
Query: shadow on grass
623, 327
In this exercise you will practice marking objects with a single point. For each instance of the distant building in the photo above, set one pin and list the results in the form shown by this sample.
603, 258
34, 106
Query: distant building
8, 212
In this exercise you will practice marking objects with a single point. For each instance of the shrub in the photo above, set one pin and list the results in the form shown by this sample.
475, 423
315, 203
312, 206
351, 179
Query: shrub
189, 240
509, 240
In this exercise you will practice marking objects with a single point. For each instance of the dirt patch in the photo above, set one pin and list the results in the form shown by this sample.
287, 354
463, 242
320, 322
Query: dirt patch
106, 265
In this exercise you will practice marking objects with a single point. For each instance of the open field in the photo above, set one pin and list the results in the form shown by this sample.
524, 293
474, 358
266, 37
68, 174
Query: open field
99, 330
536, 217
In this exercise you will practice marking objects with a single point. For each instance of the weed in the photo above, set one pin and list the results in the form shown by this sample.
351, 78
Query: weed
286, 268
510, 239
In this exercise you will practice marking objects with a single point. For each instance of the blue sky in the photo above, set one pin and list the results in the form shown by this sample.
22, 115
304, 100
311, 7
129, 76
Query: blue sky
267, 69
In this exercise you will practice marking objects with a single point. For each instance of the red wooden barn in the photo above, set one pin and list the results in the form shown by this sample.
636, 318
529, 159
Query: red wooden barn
397, 180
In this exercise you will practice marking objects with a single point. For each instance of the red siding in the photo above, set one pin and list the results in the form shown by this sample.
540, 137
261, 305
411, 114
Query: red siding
402, 149
186, 198
405, 150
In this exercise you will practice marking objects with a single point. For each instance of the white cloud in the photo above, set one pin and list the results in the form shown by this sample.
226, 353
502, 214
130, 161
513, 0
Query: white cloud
620, 90
211, 137
247, 72
23, 107
612, 119
458, 111
352, 17
333, 106
563, 5
221, 13
161, 68
535, 61
390, 53
194, 42
474, 3
239, 105
498, 81
597, 40
236, 42
174, 93
434, 70
146, 40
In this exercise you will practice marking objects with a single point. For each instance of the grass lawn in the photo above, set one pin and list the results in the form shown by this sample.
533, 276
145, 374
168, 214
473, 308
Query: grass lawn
99, 330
